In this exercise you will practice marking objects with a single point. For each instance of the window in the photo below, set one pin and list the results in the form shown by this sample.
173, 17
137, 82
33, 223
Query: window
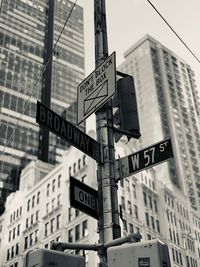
28, 205
38, 197
77, 212
47, 208
135, 211
18, 229
27, 222
123, 203
58, 200
53, 204
134, 190
74, 167
58, 221
8, 254
32, 218
13, 233
17, 249
158, 226
53, 185
33, 201
26, 242
85, 228
152, 222
37, 215
155, 206
79, 164
48, 188
147, 218
46, 229
70, 214
127, 185
31, 239
77, 232
145, 198
36, 236
59, 180
84, 160
52, 225
12, 252
150, 202
129, 207
70, 235
9, 237
131, 229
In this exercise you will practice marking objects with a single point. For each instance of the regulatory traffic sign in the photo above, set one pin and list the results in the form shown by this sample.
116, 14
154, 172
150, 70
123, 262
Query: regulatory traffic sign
83, 197
97, 88
145, 158
67, 131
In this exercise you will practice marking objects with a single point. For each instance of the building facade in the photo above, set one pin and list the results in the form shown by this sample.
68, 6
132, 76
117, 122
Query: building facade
41, 213
168, 103
24, 28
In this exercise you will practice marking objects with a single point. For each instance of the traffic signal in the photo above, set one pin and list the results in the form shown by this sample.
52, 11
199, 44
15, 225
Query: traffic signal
48, 258
149, 253
125, 116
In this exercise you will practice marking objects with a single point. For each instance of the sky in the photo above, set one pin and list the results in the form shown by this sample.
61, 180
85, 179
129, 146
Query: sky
130, 20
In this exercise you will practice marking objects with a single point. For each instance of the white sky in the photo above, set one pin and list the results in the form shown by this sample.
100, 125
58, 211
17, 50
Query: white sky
129, 20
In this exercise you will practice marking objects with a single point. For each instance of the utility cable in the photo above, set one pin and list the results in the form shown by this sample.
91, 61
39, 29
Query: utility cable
40, 76
177, 35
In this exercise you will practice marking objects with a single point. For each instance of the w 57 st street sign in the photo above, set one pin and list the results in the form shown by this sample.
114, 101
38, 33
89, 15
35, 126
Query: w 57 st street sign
144, 159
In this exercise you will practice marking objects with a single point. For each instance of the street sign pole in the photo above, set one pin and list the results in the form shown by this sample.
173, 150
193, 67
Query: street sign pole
109, 227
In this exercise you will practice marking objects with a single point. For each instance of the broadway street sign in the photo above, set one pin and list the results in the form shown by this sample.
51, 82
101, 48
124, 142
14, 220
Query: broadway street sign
96, 89
67, 131
84, 197
144, 159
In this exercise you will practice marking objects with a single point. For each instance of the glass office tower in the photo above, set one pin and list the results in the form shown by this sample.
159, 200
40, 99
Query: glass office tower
24, 28
169, 106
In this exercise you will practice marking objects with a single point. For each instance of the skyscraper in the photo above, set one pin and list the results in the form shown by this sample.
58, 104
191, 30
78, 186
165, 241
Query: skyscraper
26, 29
169, 106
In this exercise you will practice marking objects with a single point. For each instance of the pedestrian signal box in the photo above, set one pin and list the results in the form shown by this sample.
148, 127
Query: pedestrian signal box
52, 258
142, 254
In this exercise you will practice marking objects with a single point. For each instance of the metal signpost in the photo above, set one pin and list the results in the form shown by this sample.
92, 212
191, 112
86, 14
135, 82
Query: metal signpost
97, 88
84, 198
67, 131
93, 96
145, 158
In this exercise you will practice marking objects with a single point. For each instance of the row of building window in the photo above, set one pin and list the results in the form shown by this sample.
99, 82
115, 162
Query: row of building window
53, 185
177, 257
55, 203
149, 202
32, 202
191, 262
151, 222
53, 225
74, 234
15, 215
14, 233
31, 239
32, 219
12, 252
132, 210
75, 169
174, 237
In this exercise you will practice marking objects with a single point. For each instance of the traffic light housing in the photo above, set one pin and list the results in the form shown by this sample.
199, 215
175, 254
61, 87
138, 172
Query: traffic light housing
148, 253
47, 258
125, 116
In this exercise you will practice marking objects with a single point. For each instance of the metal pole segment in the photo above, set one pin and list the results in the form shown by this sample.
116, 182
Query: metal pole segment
109, 227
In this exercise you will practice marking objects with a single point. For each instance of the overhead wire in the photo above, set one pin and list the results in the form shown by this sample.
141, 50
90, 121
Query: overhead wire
39, 79
177, 35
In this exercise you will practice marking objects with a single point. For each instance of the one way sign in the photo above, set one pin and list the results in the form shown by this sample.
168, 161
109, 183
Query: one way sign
144, 159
